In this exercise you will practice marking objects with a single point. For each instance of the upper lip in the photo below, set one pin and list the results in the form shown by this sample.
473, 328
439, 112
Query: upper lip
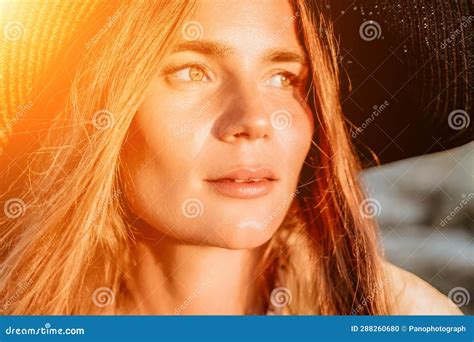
245, 173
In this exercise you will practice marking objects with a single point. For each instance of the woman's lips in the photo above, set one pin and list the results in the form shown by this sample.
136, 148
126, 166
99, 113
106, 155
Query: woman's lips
243, 189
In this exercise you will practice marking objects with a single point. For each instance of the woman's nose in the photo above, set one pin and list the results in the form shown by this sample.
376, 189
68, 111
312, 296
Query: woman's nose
245, 117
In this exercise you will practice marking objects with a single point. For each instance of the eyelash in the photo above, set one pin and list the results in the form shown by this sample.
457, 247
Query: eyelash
174, 68
296, 81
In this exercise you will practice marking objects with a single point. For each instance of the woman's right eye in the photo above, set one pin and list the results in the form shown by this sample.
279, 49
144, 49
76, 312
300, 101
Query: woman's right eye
192, 73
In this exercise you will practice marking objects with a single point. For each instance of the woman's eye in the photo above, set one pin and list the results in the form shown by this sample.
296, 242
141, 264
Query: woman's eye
192, 74
282, 80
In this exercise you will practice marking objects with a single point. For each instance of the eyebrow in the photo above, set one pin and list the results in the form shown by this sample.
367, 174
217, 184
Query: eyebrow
283, 55
211, 48
205, 47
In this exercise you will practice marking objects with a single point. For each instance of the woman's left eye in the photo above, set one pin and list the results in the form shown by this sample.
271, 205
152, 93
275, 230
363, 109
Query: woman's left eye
192, 74
282, 80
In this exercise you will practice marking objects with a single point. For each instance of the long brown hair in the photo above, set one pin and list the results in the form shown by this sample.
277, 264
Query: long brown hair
325, 228
72, 236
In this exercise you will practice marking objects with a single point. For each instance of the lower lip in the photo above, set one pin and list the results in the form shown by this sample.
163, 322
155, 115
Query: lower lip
243, 190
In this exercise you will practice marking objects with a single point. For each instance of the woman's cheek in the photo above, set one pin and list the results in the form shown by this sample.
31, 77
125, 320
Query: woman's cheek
298, 142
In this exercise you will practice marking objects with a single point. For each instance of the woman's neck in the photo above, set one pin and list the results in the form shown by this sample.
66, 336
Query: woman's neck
170, 277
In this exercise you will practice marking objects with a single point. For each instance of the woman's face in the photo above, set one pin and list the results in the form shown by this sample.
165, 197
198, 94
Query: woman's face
217, 146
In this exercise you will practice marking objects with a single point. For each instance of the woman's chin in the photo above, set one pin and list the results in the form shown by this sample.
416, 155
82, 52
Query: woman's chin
237, 235
248, 236
243, 232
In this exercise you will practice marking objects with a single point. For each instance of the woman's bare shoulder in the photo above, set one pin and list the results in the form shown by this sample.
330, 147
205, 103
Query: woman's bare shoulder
414, 296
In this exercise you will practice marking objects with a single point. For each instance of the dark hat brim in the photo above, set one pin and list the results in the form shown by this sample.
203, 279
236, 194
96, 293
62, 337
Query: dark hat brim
407, 75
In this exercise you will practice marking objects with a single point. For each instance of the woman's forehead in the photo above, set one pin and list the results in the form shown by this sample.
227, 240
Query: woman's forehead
246, 24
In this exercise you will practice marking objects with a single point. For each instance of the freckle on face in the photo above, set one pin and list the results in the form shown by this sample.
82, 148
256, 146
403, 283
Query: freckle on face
244, 114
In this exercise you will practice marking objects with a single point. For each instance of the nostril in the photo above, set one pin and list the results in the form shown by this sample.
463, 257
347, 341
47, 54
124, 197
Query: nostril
242, 134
